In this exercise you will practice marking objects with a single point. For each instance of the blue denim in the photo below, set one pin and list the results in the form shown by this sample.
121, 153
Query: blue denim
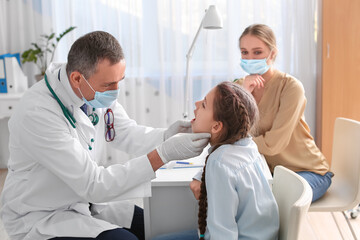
317, 182
185, 235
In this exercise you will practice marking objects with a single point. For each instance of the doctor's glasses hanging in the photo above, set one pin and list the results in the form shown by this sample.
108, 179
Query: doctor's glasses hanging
109, 123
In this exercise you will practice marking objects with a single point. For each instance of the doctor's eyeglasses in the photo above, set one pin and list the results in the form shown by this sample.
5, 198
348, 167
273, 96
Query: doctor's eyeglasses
109, 123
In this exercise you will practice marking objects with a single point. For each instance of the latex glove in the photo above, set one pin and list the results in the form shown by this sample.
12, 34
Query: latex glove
180, 126
183, 146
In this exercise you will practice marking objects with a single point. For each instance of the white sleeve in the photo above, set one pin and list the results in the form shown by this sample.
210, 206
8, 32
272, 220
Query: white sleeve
49, 142
198, 175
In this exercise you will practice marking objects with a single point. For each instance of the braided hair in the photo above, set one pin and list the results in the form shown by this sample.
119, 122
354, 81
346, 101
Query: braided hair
237, 110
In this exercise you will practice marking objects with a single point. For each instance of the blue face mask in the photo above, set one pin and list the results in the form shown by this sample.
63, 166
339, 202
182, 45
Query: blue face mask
255, 66
101, 99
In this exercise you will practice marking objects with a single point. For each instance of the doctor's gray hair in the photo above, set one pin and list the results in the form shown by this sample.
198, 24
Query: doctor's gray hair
90, 49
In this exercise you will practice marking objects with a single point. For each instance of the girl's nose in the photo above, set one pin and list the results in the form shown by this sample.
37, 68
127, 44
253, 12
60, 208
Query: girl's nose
197, 104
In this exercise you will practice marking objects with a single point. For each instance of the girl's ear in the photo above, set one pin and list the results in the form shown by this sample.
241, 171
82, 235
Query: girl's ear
75, 79
217, 127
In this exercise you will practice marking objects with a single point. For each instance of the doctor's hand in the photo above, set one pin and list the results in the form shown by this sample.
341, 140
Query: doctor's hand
195, 186
183, 146
253, 81
180, 126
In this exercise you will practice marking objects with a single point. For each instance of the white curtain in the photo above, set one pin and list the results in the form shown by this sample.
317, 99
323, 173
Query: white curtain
156, 35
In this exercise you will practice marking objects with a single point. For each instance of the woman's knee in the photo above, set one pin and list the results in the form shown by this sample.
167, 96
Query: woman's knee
318, 183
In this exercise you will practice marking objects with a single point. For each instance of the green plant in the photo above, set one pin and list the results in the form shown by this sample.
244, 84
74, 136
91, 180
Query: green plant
43, 52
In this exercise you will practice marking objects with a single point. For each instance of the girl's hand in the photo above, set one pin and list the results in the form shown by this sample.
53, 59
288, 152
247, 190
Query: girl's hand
253, 81
195, 186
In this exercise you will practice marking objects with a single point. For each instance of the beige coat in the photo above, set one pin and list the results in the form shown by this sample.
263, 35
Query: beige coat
284, 136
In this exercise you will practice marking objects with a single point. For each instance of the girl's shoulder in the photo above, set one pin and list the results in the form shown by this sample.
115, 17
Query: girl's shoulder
237, 155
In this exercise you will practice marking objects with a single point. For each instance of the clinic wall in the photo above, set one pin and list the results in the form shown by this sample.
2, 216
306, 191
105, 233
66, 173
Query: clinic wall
158, 101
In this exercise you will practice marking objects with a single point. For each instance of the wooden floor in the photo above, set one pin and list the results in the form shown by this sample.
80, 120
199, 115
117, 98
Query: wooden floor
319, 226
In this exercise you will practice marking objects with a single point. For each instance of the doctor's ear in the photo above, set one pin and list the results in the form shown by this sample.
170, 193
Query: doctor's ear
217, 127
75, 79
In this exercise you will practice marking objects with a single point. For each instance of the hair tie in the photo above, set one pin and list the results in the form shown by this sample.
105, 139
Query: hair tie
202, 235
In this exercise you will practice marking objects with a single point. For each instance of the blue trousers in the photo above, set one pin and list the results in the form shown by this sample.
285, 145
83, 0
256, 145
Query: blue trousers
136, 231
317, 182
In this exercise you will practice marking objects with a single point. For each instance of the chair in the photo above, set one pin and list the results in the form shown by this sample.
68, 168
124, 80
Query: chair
293, 195
344, 192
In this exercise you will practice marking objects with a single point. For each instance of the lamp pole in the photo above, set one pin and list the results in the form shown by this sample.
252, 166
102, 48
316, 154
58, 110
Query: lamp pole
187, 79
211, 20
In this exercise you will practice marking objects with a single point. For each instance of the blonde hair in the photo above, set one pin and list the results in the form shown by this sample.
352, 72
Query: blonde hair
263, 32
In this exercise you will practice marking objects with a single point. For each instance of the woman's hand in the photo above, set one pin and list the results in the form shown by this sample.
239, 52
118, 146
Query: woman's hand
253, 81
195, 188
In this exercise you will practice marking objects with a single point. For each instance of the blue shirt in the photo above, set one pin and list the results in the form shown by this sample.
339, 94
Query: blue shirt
240, 202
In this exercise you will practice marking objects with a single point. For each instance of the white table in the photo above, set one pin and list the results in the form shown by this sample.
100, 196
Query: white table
172, 206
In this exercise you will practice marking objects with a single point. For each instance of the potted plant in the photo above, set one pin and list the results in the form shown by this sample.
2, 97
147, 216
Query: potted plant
42, 53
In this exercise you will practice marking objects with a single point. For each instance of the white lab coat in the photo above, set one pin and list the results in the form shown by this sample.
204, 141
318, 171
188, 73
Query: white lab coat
53, 175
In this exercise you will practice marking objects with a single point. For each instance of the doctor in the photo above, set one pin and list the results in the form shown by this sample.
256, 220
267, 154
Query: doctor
55, 187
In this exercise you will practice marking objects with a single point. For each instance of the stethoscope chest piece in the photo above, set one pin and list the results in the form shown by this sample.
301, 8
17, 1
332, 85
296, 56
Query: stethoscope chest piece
94, 118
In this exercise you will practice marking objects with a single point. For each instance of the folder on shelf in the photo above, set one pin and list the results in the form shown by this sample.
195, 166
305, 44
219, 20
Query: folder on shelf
3, 87
12, 78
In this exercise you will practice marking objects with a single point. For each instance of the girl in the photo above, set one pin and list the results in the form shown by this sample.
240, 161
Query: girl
284, 136
235, 198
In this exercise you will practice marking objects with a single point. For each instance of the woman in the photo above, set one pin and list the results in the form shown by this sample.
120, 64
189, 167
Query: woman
283, 135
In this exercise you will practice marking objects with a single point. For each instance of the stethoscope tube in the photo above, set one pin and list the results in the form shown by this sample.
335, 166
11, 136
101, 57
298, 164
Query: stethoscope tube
66, 111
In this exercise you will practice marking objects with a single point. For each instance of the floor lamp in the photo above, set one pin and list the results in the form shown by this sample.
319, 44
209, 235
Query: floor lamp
211, 20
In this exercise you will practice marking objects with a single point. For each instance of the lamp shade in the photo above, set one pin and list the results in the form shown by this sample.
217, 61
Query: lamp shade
212, 19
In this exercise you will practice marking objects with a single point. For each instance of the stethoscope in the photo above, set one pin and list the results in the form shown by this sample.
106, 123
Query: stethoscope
94, 117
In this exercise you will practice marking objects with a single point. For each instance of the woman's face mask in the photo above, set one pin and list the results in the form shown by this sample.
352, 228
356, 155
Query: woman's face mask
101, 99
255, 66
